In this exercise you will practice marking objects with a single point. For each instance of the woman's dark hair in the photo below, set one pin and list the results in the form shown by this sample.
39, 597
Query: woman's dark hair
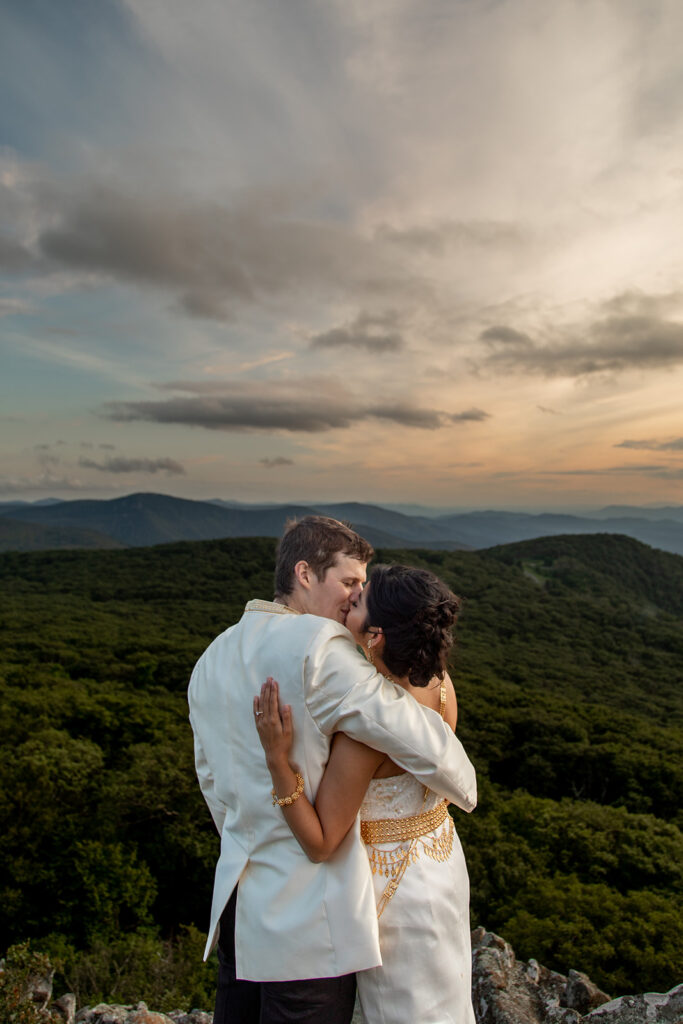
416, 611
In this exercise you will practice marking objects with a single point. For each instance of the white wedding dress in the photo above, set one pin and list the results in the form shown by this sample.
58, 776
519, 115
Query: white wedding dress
424, 928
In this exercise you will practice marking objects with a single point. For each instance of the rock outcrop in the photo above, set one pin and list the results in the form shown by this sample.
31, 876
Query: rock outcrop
508, 991
653, 1007
504, 991
114, 1013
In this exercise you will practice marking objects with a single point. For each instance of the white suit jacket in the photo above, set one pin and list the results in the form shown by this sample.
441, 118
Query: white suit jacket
296, 919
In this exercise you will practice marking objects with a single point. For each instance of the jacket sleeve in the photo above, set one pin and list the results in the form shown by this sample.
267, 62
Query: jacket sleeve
345, 694
204, 773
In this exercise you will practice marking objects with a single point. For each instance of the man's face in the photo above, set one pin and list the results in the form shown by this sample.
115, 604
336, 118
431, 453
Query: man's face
333, 596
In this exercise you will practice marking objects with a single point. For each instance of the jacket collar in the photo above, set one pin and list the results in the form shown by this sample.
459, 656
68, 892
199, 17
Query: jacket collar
269, 606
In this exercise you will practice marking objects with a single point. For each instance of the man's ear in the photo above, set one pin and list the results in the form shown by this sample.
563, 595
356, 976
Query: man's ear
303, 574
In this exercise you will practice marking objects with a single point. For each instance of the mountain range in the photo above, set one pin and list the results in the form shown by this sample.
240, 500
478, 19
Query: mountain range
140, 520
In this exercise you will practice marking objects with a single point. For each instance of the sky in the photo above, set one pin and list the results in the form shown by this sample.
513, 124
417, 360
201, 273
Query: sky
418, 251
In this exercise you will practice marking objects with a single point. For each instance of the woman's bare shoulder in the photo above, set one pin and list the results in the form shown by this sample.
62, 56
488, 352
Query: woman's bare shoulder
451, 715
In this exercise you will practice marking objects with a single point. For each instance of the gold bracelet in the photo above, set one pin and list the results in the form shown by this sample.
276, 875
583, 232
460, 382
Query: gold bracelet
285, 801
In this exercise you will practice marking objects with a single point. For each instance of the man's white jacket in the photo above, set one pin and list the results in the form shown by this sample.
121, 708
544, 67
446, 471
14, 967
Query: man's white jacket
297, 919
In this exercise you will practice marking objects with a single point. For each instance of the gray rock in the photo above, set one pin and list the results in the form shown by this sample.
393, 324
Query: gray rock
141, 1015
582, 994
114, 1013
193, 1017
66, 1007
505, 991
103, 1013
651, 1008
39, 988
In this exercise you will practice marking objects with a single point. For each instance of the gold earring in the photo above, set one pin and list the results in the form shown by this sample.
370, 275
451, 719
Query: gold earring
371, 654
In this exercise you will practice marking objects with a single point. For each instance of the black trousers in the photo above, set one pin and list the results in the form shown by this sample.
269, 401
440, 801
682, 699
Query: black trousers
311, 1001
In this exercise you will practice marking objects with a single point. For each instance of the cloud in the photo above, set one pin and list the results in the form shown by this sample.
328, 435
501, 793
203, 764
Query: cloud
370, 332
235, 412
15, 307
13, 255
405, 415
470, 416
436, 240
653, 446
633, 302
652, 468
309, 406
212, 256
633, 335
46, 482
279, 460
506, 336
123, 465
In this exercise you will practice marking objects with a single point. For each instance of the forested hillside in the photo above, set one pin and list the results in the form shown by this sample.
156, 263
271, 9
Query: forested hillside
568, 668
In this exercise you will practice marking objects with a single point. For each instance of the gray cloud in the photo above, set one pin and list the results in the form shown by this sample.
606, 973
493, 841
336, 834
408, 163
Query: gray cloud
632, 336
312, 406
370, 332
470, 416
653, 468
15, 257
279, 460
213, 256
506, 336
406, 415
235, 412
633, 302
46, 482
646, 467
14, 307
123, 465
437, 239
653, 446
240, 413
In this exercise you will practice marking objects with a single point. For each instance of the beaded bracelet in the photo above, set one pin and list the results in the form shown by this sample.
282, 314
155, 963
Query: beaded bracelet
285, 801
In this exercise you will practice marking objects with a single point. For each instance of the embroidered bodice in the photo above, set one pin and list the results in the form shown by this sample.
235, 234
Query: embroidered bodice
399, 796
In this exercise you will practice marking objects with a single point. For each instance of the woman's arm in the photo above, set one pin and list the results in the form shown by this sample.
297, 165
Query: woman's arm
319, 830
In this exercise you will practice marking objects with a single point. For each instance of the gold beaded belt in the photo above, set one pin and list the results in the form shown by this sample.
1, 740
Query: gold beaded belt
397, 830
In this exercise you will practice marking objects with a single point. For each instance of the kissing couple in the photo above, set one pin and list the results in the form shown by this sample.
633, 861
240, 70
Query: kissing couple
340, 867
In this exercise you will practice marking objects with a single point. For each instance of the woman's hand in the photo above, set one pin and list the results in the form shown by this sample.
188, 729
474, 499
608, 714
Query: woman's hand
273, 724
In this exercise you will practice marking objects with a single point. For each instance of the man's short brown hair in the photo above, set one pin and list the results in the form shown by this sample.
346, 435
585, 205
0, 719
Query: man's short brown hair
316, 540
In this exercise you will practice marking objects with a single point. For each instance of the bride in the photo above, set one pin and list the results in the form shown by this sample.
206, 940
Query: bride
403, 623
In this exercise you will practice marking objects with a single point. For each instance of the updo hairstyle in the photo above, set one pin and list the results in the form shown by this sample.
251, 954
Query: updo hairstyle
416, 611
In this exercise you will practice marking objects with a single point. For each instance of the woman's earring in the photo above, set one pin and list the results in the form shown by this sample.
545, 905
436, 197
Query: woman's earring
371, 654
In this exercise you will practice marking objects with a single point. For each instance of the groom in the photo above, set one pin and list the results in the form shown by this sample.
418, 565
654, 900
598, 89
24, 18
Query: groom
291, 933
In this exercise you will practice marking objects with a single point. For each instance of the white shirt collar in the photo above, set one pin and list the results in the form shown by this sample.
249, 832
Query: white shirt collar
269, 606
